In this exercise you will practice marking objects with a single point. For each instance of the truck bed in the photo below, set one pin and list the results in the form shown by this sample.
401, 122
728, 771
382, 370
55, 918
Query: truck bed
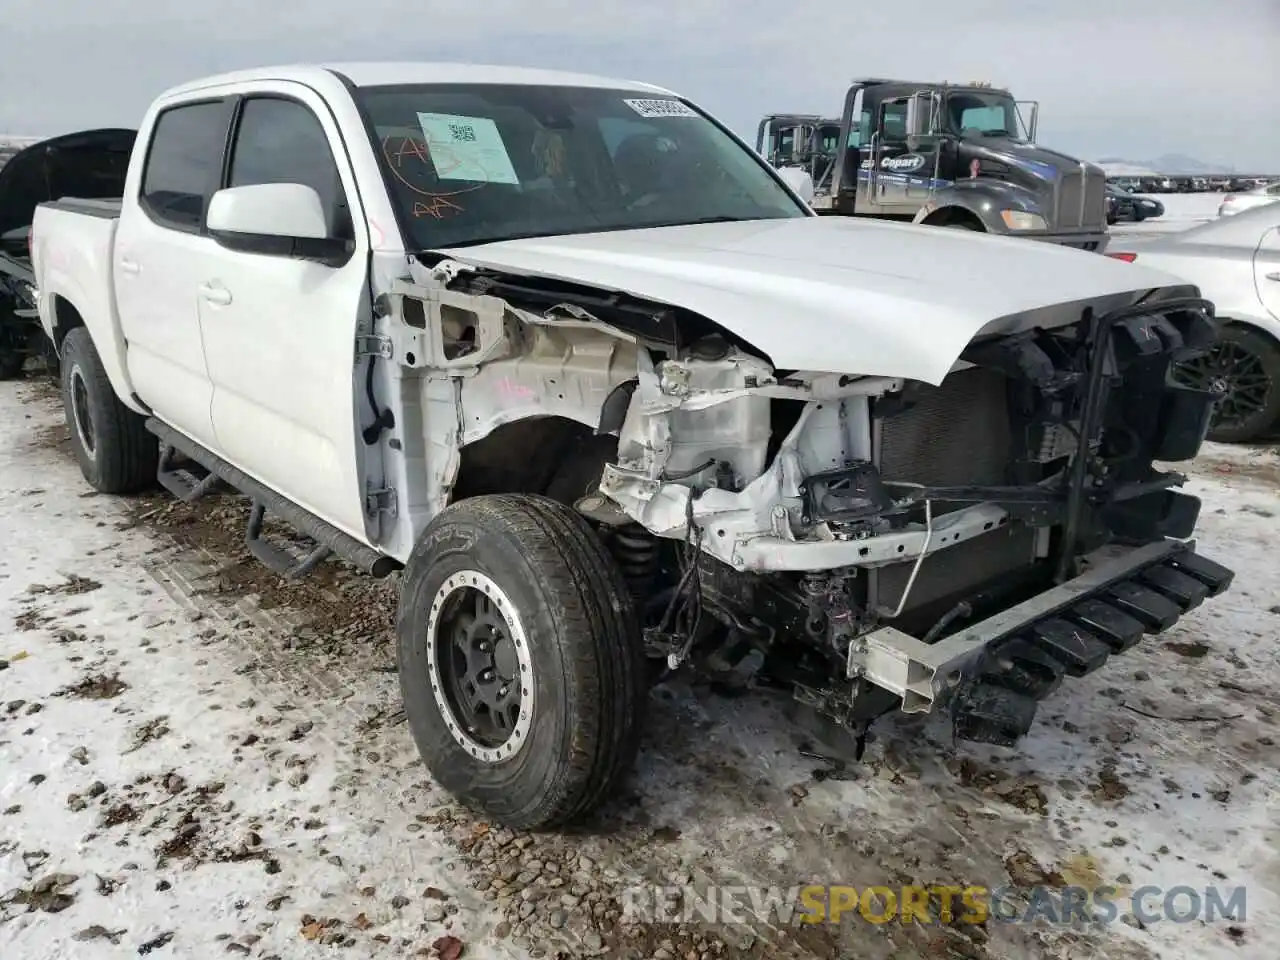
76, 238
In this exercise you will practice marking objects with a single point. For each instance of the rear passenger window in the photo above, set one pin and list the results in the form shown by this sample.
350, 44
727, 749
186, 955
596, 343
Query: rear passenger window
183, 163
281, 141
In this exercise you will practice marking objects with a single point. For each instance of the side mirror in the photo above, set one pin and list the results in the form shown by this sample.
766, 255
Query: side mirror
276, 219
922, 119
798, 180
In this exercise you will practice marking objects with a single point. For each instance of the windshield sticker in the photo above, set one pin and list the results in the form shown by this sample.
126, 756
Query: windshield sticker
467, 148
652, 109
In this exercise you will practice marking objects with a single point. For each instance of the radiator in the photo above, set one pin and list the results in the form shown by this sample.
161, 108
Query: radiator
956, 434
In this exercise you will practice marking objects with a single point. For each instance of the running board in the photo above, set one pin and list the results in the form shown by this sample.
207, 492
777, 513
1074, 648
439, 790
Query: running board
276, 558
181, 481
329, 539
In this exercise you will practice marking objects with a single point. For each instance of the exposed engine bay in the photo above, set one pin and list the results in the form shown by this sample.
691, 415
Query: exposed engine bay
861, 541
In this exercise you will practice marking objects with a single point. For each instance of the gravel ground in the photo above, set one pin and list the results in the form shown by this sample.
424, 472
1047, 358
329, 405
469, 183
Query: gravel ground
199, 758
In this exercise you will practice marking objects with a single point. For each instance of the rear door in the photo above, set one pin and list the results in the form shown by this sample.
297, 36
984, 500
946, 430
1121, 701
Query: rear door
158, 256
279, 332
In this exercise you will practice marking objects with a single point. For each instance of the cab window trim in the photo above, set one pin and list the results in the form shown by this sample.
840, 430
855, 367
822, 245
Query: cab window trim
159, 218
241, 100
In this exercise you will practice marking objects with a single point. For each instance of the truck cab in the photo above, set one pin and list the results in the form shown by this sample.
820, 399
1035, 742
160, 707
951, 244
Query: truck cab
958, 155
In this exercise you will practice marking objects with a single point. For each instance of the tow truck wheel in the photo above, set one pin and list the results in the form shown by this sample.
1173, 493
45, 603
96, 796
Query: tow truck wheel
115, 452
520, 659
1243, 370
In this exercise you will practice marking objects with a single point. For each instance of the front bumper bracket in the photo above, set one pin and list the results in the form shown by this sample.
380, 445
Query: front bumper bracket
992, 673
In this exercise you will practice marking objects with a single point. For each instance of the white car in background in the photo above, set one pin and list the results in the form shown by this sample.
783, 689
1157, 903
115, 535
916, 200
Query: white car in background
1258, 197
1236, 264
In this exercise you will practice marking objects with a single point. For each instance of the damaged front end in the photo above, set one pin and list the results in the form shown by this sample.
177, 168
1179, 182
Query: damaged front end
863, 541
960, 546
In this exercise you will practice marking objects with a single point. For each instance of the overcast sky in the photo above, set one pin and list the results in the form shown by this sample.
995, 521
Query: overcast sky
1128, 78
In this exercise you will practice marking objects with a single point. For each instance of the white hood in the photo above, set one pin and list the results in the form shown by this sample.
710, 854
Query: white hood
833, 294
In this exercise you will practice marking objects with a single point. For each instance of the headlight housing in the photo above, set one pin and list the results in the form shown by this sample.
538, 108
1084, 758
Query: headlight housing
1022, 220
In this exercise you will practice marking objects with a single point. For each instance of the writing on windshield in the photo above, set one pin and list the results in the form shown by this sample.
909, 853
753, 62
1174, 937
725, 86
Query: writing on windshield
471, 163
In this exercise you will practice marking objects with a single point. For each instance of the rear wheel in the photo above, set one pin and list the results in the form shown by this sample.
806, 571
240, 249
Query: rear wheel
111, 443
1243, 370
520, 659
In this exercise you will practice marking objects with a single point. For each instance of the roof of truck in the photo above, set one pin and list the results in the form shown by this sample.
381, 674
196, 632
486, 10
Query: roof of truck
380, 73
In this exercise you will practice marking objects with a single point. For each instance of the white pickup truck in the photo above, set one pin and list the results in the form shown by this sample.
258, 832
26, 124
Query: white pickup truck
577, 359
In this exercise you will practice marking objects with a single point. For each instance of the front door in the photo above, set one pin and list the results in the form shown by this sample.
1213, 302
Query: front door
280, 332
1266, 271
159, 254
891, 164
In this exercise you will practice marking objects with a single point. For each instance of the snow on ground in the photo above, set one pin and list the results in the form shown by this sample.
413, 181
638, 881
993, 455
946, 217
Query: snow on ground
197, 758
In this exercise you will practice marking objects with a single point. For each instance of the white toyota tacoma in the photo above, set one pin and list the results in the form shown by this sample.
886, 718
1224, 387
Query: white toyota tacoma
573, 356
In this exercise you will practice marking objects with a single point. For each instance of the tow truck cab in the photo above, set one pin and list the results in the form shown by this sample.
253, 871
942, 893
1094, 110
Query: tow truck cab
952, 155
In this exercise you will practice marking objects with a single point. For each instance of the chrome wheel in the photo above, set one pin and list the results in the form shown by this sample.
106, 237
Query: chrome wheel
81, 418
481, 671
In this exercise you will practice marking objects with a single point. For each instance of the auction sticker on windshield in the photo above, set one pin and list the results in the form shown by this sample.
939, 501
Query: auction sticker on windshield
467, 148
661, 108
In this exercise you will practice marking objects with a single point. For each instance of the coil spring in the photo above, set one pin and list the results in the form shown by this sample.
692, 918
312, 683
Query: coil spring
635, 550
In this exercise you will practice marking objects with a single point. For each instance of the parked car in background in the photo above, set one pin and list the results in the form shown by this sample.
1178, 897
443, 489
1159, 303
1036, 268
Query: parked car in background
1235, 263
89, 164
1233, 203
1123, 206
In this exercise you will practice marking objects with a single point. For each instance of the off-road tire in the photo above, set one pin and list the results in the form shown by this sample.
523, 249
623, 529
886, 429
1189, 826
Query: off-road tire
584, 641
124, 455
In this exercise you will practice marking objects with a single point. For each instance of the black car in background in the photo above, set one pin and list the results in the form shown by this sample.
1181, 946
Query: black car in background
1123, 206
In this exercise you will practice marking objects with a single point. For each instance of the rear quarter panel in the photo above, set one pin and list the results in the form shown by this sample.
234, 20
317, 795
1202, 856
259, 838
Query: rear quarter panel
72, 256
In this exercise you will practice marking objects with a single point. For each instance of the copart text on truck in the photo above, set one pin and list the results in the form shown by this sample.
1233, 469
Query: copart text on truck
579, 361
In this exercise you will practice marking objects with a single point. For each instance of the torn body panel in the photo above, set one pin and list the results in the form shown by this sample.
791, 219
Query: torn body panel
846, 527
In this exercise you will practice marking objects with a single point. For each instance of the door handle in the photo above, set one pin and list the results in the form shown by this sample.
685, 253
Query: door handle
216, 295
129, 266
1274, 275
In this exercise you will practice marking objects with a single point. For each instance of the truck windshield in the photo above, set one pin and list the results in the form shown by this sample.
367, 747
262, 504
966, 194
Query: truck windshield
472, 163
975, 114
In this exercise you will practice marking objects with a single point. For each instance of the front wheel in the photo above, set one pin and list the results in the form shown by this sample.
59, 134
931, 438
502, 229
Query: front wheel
520, 660
1242, 369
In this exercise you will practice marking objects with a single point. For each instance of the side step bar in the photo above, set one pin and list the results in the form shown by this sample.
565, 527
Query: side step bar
328, 537
180, 481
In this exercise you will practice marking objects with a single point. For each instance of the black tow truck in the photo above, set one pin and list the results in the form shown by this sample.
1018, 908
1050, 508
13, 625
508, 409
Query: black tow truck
89, 164
949, 155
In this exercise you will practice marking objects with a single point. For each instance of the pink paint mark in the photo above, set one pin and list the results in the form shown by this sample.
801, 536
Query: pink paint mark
516, 391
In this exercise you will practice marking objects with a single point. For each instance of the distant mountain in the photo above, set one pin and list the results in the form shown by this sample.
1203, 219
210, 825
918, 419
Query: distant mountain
1172, 163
